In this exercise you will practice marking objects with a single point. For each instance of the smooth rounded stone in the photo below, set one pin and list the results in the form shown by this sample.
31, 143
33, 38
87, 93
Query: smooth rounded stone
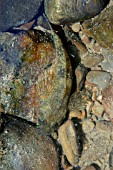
14, 13
99, 78
102, 28
24, 147
90, 60
107, 100
71, 11
35, 79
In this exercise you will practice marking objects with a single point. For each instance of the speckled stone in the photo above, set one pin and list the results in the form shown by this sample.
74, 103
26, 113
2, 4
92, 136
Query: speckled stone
107, 100
35, 79
24, 147
102, 28
14, 13
90, 60
99, 78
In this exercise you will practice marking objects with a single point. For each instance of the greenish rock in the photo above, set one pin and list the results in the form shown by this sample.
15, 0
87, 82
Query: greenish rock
102, 28
65, 12
35, 80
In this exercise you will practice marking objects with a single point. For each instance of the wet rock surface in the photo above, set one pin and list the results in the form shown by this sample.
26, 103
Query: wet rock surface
25, 147
15, 13
71, 101
72, 11
33, 75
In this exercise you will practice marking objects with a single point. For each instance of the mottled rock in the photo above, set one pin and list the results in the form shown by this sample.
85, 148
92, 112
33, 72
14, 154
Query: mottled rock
80, 73
35, 79
99, 78
90, 60
99, 145
25, 147
68, 140
102, 28
107, 63
107, 100
97, 109
78, 100
90, 168
14, 13
71, 11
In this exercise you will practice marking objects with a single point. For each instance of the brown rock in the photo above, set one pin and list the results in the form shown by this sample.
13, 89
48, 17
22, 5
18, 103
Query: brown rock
107, 100
68, 140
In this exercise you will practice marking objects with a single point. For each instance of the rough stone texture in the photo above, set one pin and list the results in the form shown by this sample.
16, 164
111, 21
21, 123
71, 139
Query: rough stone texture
14, 13
90, 60
99, 78
63, 12
25, 147
107, 100
97, 146
68, 140
107, 63
102, 28
35, 78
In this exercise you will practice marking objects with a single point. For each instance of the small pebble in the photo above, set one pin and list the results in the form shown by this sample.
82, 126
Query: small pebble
107, 100
90, 60
97, 109
99, 78
76, 27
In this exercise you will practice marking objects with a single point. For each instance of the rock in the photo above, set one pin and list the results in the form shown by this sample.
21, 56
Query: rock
66, 12
80, 73
26, 147
68, 140
99, 78
107, 63
78, 100
107, 100
97, 109
76, 27
15, 13
102, 28
35, 79
90, 60
90, 168
99, 145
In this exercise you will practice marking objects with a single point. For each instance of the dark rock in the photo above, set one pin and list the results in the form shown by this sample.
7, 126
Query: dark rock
14, 13
24, 147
